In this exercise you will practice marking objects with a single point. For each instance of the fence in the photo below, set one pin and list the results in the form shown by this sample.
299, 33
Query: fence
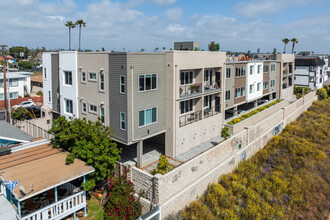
13, 102
155, 214
32, 129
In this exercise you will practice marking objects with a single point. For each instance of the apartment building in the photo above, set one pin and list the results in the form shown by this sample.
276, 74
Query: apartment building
176, 99
194, 88
311, 71
287, 67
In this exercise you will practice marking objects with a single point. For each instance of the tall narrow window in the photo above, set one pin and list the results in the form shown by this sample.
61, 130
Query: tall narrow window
45, 73
83, 76
186, 77
272, 83
228, 73
122, 121
251, 70
228, 95
258, 86
68, 77
207, 101
68, 106
148, 82
251, 88
259, 68
154, 81
272, 67
101, 81
49, 96
243, 91
122, 84
102, 114
84, 107
237, 92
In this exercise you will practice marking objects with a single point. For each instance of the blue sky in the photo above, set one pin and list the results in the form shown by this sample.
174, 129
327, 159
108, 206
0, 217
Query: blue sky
238, 25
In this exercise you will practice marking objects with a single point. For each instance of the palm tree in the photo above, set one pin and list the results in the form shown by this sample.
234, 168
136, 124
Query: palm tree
285, 41
294, 42
142, 50
80, 23
164, 48
70, 25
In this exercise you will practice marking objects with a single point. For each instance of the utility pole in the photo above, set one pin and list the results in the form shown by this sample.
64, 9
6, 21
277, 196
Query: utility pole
5, 80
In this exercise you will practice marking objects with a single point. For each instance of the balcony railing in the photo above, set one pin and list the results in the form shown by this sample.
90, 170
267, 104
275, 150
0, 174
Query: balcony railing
190, 118
60, 209
212, 85
211, 111
190, 89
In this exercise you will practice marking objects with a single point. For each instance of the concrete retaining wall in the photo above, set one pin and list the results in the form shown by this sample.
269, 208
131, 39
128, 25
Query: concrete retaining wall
176, 189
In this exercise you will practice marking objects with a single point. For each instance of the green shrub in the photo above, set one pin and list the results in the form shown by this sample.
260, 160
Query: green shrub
27, 95
163, 165
224, 133
40, 93
322, 93
327, 87
298, 95
19, 113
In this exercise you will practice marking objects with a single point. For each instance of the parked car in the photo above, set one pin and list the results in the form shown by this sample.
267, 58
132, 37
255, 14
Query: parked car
25, 104
262, 101
231, 111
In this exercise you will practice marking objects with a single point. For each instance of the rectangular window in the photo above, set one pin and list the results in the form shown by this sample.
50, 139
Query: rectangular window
251, 70
2, 96
228, 95
84, 107
259, 68
186, 77
243, 71
13, 82
83, 76
265, 85
272, 83
1, 83
258, 86
186, 106
102, 114
251, 88
147, 82
92, 76
68, 77
243, 91
147, 117
207, 101
49, 96
266, 68
122, 84
45, 73
228, 73
240, 71
13, 95
272, 67
68, 106
92, 108
207, 75
122, 121
237, 92
101, 77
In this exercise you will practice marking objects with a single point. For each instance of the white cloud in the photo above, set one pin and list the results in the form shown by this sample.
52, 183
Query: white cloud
164, 2
173, 14
259, 7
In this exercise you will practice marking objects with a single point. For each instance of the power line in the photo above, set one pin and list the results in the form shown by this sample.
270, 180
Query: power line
5, 80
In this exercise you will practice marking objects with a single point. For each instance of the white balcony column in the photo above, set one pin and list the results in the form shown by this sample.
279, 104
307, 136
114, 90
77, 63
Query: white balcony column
56, 198
235, 111
140, 154
85, 208
255, 104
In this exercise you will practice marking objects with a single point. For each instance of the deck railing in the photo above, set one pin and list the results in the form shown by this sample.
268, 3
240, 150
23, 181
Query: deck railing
211, 111
60, 209
190, 118
190, 89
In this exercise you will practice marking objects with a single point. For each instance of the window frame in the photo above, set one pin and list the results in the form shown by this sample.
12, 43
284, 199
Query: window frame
122, 121
83, 76
145, 84
12, 82
226, 95
65, 104
251, 88
102, 116
258, 86
92, 111
265, 83
228, 72
45, 73
101, 75
271, 83
145, 117
91, 79
122, 84
49, 96
184, 106
65, 78
271, 67
84, 106
191, 76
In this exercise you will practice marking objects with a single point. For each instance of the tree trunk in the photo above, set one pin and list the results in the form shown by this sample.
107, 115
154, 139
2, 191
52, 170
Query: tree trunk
284, 47
79, 36
70, 39
293, 48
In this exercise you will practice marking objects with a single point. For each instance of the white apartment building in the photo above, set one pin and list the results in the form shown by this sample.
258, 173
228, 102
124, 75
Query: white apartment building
254, 81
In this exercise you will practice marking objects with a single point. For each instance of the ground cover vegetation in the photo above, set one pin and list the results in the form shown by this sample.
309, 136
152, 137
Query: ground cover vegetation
288, 179
299, 91
254, 112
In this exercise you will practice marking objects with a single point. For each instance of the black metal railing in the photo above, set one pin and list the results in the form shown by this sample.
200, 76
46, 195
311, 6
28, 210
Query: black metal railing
190, 89
190, 118
211, 85
208, 112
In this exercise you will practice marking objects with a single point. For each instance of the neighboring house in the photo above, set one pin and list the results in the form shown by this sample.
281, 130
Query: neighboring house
36, 83
35, 181
18, 84
175, 99
311, 71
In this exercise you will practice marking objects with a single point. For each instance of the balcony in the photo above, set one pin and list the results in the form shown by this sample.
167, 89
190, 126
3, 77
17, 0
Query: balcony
190, 118
190, 89
212, 85
208, 112
60, 209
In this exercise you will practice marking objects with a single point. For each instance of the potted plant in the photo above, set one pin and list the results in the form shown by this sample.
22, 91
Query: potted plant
193, 88
181, 90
